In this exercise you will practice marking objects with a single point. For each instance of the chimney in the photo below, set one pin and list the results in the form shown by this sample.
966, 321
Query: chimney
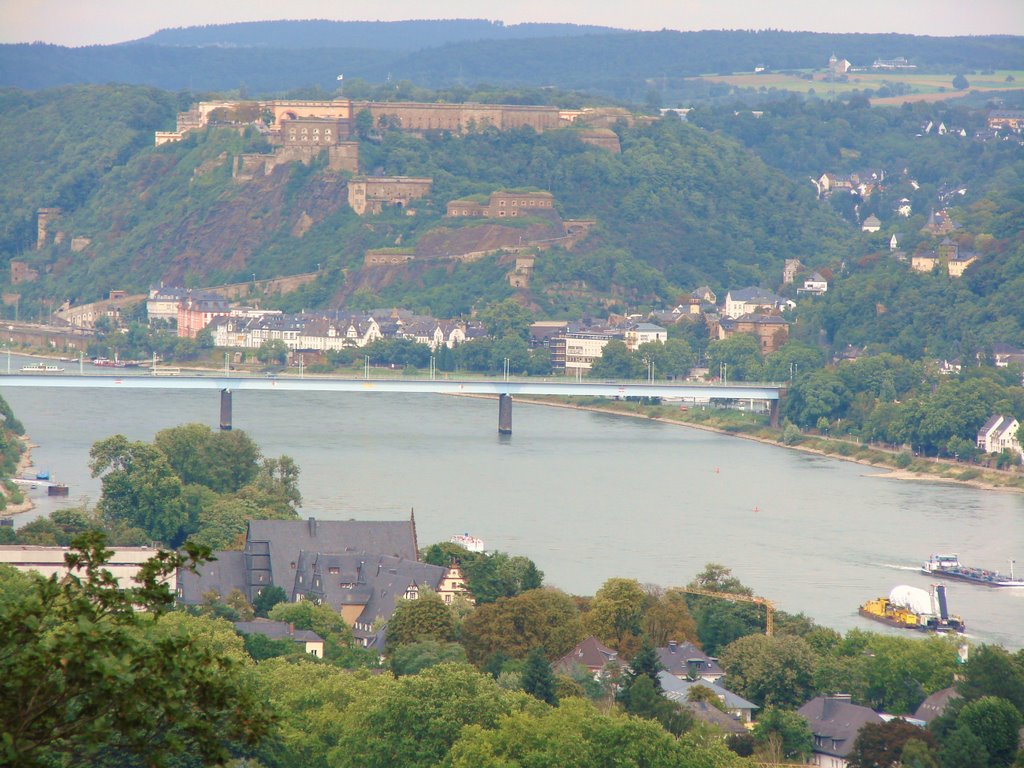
312, 527
672, 645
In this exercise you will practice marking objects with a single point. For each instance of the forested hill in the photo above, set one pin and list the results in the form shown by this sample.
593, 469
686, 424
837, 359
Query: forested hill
275, 57
380, 35
679, 207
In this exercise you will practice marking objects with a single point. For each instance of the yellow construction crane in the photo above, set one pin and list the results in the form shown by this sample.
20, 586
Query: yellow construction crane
769, 606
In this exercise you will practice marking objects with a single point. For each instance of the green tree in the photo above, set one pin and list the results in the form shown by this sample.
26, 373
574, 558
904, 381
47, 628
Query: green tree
87, 676
321, 619
538, 679
738, 357
506, 318
539, 618
770, 671
616, 613
139, 488
963, 749
819, 394
960, 82
993, 671
425, 618
997, 723
272, 352
881, 745
267, 599
917, 753
415, 657
672, 359
617, 362
414, 720
667, 618
783, 735
221, 461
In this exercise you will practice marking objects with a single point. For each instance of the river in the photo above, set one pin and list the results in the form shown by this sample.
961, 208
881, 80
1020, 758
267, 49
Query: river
587, 496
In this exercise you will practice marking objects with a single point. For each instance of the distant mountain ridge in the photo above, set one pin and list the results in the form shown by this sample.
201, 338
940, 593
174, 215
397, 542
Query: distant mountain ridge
272, 58
410, 35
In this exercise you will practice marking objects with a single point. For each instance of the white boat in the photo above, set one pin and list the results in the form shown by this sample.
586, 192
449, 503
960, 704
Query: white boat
464, 540
41, 368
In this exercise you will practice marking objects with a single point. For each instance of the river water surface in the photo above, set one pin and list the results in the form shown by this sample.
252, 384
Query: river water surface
587, 496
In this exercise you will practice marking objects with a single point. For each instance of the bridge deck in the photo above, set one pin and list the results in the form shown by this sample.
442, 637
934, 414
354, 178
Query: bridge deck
441, 386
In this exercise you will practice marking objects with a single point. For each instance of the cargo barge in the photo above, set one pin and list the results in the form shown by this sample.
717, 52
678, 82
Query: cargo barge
913, 608
949, 566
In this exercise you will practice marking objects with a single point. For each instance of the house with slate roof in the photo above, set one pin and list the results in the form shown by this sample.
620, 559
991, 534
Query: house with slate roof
835, 722
310, 641
588, 653
999, 434
751, 299
678, 690
365, 588
935, 705
688, 662
272, 547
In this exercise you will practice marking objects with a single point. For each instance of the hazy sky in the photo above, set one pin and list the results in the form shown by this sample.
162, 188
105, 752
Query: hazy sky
86, 22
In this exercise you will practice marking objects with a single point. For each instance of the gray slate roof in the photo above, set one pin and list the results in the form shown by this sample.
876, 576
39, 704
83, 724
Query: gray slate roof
277, 630
374, 581
224, 574
714, 716
283, 540
686, 659
835, 722
935, 704
679, 690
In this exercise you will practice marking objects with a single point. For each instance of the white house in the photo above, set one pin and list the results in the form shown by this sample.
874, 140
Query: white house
644, 333
749, 300
999, 433
815, 284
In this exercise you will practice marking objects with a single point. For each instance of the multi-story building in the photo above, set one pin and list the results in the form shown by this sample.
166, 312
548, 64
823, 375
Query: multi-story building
369, 194
197, 309
502, 204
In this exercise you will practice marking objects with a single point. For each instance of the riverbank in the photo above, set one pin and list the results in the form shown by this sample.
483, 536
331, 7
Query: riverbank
23, 466
920, 469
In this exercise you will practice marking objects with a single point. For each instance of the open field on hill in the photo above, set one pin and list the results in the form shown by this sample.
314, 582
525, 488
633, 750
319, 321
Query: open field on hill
923, 87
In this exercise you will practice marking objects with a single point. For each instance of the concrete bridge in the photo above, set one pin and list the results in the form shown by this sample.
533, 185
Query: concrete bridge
504, 389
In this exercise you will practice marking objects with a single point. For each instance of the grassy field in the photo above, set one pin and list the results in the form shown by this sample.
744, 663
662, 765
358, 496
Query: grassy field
923, 87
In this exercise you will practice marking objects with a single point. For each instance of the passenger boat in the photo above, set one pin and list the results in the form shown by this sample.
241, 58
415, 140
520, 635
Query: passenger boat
950, 567
41, 368
464, 540
914, 608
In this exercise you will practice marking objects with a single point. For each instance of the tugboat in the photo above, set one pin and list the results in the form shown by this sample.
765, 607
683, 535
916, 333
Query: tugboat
950, 567
913, 608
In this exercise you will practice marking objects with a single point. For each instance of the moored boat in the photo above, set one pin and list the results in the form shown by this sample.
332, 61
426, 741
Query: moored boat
41, 368
949, 566
913, 608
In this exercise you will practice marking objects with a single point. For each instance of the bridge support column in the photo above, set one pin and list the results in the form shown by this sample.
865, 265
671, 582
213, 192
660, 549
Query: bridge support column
773, 413
225, 409
505, 414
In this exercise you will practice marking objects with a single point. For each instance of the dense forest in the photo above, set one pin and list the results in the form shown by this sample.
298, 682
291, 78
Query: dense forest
274, 57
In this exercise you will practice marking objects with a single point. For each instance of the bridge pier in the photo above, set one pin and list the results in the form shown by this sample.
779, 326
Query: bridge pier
773, 413
225, 410
505, 414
